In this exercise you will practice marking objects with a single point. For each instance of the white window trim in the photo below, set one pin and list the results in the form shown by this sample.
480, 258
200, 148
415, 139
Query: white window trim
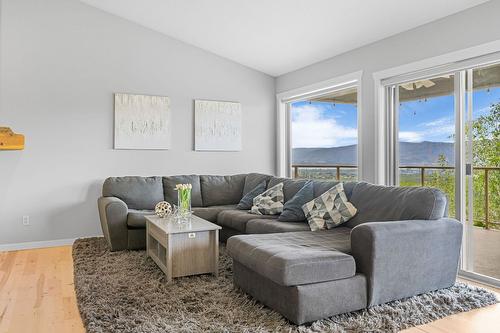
448, 62
283, 129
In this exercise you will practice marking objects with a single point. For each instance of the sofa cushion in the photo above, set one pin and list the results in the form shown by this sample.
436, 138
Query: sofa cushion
246, 202
221, 190
329, 210
290, 186
321, 186
170, 193
136, 220
389, 203
254, 179
296, 258
270, 202
136, 192
237, 219
267, 226
292, 210
210, 213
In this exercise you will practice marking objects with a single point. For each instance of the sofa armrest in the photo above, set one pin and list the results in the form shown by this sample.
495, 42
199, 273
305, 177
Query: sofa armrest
113, 213
406, 258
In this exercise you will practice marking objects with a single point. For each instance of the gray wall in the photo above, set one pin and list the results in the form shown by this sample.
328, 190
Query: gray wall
472, 27
61, 62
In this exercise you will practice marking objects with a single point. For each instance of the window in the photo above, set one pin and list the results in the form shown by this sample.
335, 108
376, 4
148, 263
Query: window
324, 136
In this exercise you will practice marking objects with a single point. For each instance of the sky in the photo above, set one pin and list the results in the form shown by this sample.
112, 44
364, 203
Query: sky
319, 124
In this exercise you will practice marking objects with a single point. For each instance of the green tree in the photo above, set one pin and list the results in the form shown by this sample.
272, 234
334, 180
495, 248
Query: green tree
443, 179
486, 138
486, 153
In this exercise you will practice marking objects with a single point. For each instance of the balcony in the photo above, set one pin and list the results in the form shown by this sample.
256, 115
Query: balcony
424, 175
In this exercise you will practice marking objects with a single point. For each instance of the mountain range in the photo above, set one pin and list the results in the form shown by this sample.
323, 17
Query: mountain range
411, 153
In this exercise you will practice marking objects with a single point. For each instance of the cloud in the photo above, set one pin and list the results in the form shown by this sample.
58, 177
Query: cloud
435, 130
444, 121
311, 129
408, 136
482, 111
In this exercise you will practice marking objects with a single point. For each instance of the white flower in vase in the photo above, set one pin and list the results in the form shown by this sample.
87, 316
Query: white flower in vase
184, 199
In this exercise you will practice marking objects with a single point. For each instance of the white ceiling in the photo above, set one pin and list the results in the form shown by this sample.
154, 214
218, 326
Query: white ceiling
279, 36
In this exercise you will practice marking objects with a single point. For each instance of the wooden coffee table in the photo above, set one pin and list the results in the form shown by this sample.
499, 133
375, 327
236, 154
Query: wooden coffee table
183, 249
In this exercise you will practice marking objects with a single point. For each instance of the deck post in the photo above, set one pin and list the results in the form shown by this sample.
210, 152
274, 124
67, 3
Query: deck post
486, 199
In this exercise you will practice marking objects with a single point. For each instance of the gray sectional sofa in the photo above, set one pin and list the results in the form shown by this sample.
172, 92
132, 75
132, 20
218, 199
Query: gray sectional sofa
399, 244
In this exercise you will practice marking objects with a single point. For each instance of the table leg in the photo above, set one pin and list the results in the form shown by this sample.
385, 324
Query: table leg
215, 240
168, 257
147, 239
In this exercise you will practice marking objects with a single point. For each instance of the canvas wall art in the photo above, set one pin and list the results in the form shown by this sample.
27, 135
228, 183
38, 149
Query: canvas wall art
142, 122
217, 126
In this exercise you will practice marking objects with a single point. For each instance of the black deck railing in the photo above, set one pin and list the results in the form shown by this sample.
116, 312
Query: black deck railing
422, 172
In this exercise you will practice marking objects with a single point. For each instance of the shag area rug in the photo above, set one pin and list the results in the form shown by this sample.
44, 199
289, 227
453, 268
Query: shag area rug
126, 292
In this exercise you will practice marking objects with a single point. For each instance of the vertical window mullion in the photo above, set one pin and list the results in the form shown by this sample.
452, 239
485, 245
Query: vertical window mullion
395, 153
459, 146
392, 136
468, 246
460, 91
288, 143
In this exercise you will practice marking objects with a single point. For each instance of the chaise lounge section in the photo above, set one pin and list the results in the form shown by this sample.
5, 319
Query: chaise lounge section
399, 244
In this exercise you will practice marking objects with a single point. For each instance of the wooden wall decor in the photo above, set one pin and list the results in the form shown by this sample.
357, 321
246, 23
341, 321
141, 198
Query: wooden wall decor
10, 140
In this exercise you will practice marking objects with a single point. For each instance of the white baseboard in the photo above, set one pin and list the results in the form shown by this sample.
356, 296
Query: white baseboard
40, 244
479, 278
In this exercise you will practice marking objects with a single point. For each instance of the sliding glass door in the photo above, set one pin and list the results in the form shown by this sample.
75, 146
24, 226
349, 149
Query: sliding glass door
444, 132
483, 174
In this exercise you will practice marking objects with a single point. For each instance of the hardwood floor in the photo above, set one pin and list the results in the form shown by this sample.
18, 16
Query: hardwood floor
37, 295
36, 291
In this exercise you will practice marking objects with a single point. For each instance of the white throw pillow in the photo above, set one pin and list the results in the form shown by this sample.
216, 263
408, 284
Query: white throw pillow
329, 210
270, 202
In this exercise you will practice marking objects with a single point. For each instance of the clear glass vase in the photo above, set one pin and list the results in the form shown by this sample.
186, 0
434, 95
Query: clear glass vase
184, 203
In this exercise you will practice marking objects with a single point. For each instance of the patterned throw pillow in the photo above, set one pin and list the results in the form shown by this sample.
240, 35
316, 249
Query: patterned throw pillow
329, 210
270, 202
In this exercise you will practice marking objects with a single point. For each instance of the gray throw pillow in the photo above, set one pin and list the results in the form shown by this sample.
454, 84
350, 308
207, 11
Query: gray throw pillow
247, 201
270, 202
292, 210
329, 210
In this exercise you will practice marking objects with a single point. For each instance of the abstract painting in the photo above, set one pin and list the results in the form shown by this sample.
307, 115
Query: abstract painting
217, 126
142, 122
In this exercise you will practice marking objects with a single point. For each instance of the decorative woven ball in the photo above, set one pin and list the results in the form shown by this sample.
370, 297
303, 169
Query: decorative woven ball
163, 209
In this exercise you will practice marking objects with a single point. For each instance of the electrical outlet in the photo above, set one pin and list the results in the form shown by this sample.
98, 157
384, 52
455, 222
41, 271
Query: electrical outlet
26, 220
